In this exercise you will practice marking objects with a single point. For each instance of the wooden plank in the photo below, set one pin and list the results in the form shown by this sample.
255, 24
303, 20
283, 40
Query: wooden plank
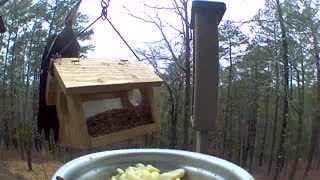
103, 75
51, 90
123, 135
73, 127
63, 118
77, 126
100, 96
148, 95
109, 88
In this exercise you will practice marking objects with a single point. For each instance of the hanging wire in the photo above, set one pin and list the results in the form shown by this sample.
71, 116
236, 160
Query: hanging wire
104, 12
104, 15
65, 47
85, 29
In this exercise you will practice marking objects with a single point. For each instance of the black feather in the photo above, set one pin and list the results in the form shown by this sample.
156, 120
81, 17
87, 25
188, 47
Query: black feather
47, 115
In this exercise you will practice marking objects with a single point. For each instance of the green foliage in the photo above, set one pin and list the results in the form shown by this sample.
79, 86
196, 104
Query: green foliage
247, 65
29, 24
254, 66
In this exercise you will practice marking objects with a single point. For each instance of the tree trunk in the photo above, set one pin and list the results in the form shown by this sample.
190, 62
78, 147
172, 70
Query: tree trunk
246, 131
291, 83
177, 110
281, 149
4, 95
21, 143
253, 119
173, 137
226, 140
231, 140
265, 128
244, 151
318, 159
275, 120
244, 143
53, 18
29, 153
187, 97
173, 133
240, 134
316, 119
300, 112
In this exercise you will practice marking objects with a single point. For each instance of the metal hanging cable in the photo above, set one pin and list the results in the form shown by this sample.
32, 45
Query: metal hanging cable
84, 30
103, 16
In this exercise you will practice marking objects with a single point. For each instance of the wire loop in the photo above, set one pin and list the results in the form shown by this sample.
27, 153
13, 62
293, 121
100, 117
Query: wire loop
104, 12
103, 16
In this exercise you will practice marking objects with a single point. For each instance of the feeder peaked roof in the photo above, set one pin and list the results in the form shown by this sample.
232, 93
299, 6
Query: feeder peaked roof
91, 75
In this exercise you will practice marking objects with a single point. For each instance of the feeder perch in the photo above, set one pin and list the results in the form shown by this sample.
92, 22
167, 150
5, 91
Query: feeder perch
96, 101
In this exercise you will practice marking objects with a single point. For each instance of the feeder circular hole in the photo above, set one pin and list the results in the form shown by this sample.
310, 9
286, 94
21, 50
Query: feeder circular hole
63, 103
135, 97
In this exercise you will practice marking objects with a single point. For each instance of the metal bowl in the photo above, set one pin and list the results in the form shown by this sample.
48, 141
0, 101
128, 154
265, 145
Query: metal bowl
102, 165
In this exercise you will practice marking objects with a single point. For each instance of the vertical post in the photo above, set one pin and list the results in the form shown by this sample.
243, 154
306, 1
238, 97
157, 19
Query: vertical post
206, 16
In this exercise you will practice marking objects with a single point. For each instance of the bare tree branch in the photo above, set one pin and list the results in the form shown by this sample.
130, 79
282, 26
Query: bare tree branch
250, 21
157, 21
137, 17
175, 58
154, 42
180, 13
156, 7
174, 28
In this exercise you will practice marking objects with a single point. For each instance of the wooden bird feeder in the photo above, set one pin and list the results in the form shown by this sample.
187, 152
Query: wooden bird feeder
96, 101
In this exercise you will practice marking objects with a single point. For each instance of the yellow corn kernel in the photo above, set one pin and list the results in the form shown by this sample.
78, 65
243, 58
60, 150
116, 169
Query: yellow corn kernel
120, 171
154, 176
150, 168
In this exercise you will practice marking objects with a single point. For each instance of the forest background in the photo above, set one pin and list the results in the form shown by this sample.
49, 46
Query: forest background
269, 95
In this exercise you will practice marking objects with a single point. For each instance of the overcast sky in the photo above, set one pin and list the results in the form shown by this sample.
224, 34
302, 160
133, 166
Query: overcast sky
109, 45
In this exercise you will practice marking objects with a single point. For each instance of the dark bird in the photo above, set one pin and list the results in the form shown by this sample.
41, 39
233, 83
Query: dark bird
2, 26
64, 44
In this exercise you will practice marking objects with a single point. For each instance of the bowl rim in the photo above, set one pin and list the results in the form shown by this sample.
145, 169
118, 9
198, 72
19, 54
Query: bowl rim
64, 169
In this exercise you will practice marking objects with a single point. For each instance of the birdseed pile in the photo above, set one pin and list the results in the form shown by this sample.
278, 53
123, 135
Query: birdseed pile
116, 120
